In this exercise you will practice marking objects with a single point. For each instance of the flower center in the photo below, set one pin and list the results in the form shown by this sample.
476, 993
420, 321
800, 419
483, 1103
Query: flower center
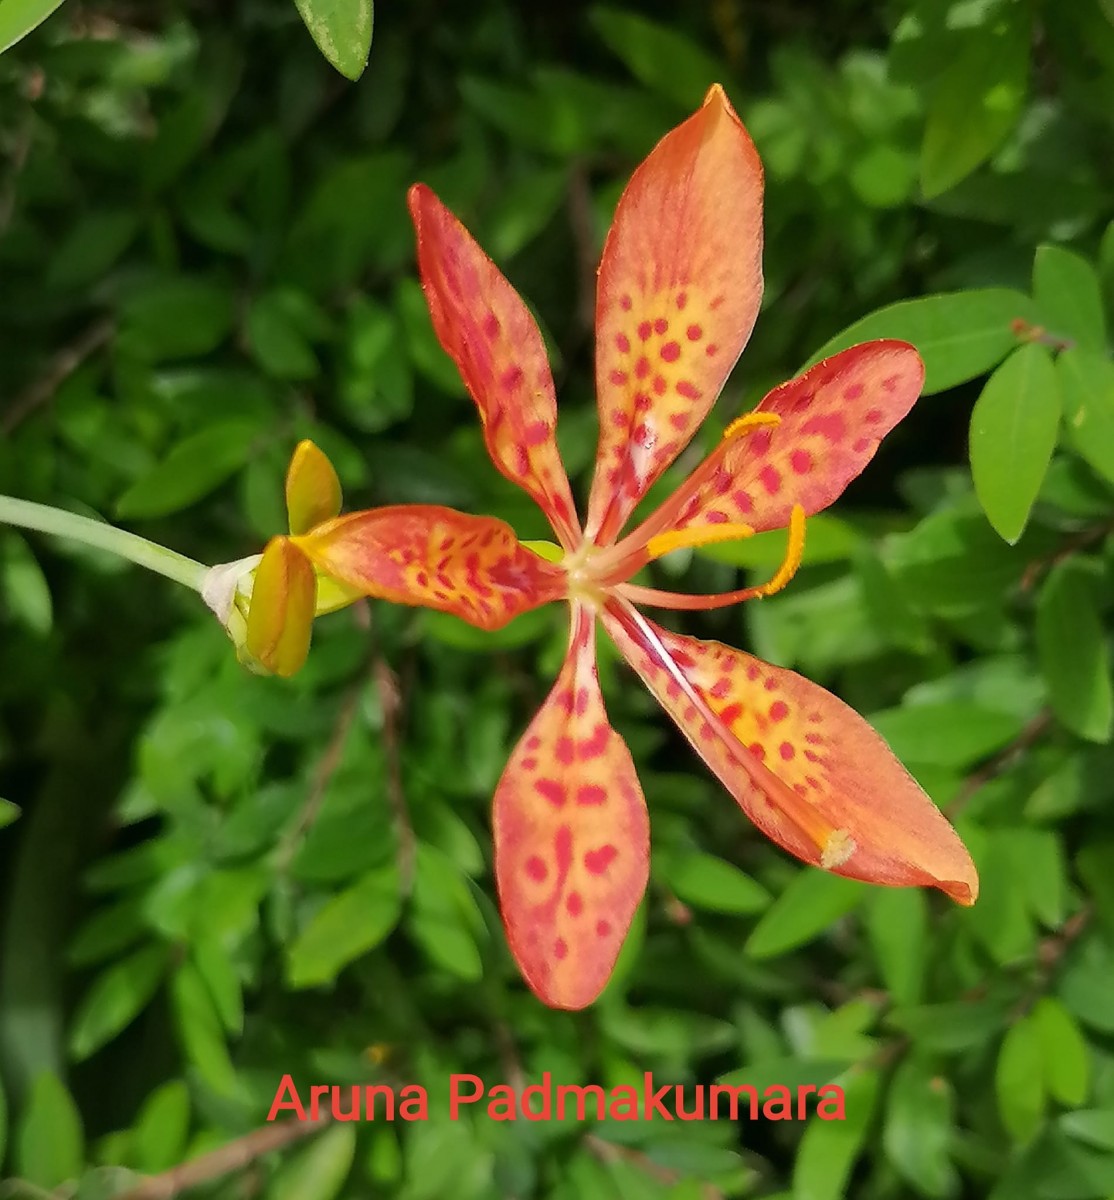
583, 573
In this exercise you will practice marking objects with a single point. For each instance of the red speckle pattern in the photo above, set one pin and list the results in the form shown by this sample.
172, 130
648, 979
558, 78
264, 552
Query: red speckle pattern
802, 766
489, 333
832, 419
579, 814
423, 554
687, 239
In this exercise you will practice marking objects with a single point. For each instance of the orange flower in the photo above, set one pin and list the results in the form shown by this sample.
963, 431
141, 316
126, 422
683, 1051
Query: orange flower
679, 289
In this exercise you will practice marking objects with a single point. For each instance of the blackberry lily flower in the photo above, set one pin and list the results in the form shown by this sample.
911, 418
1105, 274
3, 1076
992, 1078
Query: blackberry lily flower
678, 293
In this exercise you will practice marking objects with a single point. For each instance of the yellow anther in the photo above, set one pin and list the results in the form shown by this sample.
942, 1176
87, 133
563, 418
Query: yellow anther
697, 535
794, 552
838, 847
751, 420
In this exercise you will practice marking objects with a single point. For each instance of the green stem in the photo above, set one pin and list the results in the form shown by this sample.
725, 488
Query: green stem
28, 515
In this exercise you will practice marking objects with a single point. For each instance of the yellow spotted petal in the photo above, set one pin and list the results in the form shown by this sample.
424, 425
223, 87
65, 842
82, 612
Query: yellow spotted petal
435, 557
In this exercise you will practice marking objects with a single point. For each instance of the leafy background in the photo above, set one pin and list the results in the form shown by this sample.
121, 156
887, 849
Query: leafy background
217, 878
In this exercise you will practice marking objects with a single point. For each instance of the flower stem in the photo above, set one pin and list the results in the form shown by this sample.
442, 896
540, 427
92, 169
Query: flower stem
57, 521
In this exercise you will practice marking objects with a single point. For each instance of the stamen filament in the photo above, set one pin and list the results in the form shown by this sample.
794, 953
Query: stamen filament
681, 600
697, 535
794, 552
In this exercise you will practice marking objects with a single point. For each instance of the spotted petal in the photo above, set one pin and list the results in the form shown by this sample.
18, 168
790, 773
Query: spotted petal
679, 288
435, 557
571, 836
805, 768
489, 333
832, 419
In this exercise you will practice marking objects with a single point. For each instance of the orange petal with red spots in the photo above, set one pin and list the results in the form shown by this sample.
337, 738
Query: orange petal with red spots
679, 288
280, 616
832, 419
572, 837
423, 554
489, 333
312, 488
803, 766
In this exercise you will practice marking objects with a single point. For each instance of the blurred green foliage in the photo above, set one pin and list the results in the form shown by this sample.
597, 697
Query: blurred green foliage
217, 879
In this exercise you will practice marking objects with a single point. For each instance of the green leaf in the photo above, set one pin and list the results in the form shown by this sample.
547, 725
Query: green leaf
711, 883
1106, 262
1095, 1126
276, 340
50, 1144
160, 1131
1092, 863
1037, 861
960, 335
24, 591
19, 17
1064, 1170
957, 734
1013, 433
1002, 919
829, 539
1073, 652
658, 56
897, 925
116, 997
1067, 1065
319, 1171
184, 131
426, 351
1084, 984
446, 920
91, 247
9, 812
522, 212
348, 925
217, 969
807, 907
646, 1030
195, 467
377, 389
342, 30
891, 614
828, 1149
1068, 297
953, 1027
523, 630
952, 562
199, 1031
176, 317
789, 1072
920, 1119
976, 100
1019, 1080
1087, 387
